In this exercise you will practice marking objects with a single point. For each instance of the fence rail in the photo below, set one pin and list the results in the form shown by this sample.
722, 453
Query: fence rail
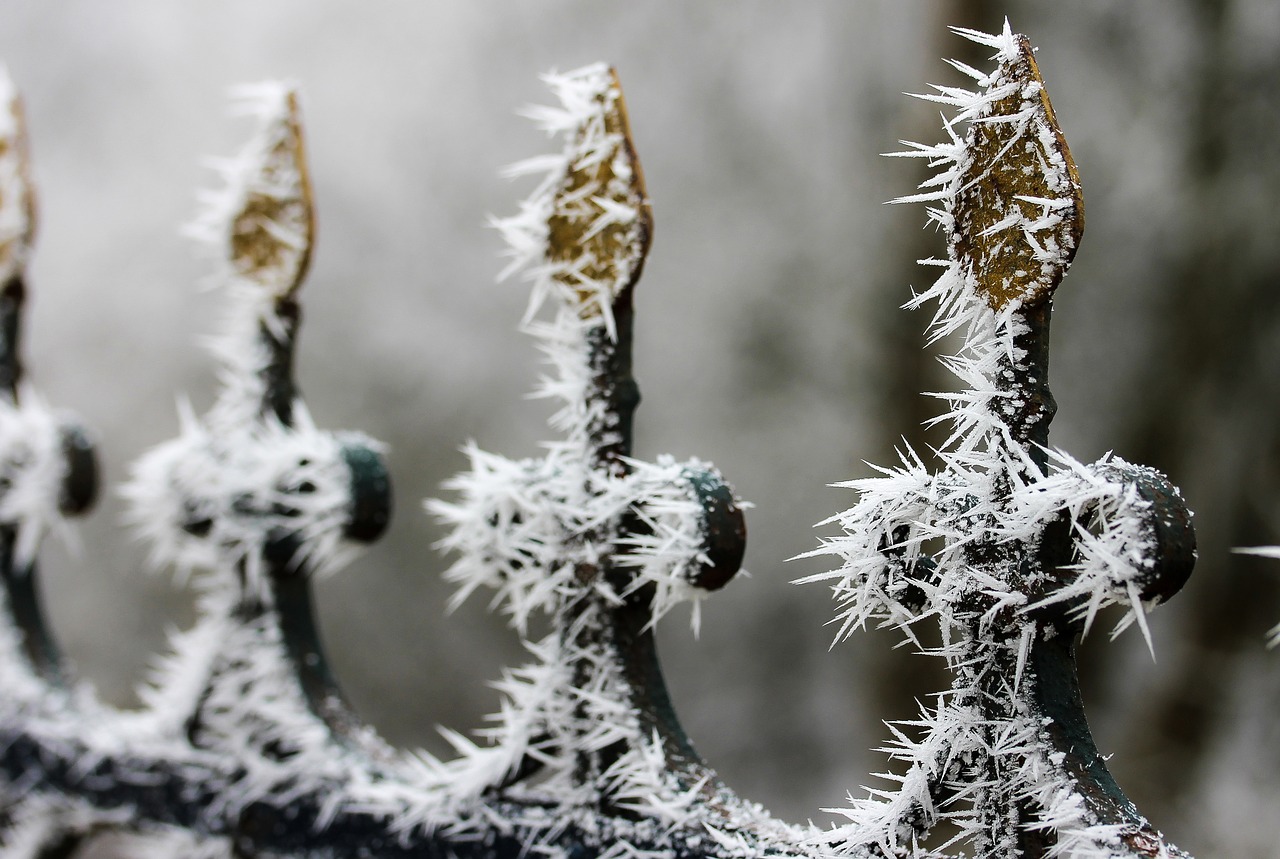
244, 745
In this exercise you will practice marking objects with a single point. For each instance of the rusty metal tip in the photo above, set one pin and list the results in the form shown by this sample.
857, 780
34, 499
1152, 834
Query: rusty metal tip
601, 223
1019, 210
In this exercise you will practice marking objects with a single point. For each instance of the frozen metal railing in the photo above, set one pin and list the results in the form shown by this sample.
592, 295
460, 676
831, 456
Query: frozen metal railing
244, 746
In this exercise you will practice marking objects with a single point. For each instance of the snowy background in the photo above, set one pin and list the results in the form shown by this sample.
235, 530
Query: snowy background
768, 338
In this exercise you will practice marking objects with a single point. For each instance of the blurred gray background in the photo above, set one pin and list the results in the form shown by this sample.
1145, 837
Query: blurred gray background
768, 336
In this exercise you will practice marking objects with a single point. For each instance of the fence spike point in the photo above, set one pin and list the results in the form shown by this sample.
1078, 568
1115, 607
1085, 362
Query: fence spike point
270, 222
17, 193
1011, 245
600, 222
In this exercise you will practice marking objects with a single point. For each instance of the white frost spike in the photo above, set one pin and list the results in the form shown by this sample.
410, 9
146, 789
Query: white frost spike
17, 197
1273, 635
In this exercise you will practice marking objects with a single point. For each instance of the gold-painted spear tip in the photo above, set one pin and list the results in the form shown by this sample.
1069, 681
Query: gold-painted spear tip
271, 227
600, 227
17, 192
1019, 211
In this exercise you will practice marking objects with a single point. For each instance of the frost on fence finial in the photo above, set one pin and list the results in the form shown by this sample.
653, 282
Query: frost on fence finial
1018, 212
48, 468
1012, 548
257, 499
582, 235
262, 220
255, 467
17, 196
603, 543
1010, 196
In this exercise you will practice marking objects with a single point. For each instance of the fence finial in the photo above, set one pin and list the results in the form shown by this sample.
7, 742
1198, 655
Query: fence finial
48, 467
256, 499
1011, 548
602, 542
262, 221
17, 195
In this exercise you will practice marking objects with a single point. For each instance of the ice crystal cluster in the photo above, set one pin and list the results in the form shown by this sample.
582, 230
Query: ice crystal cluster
976, 548
33, 470
33, 474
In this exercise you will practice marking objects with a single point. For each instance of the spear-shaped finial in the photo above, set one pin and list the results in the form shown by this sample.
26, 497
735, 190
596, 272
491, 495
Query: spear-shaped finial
17, 196
604, 543
585, 231
1010, 547
1018, 210
1008, 192
599, 228
271, 226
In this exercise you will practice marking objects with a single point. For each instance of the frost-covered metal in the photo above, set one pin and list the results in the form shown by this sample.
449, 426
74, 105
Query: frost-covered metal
1011, 548
244, 746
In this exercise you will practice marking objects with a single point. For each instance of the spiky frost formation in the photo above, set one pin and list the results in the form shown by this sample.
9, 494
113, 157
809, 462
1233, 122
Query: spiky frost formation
529, 529
261, 223
229, 690
212, 501
958, 547
33, 471
519, 528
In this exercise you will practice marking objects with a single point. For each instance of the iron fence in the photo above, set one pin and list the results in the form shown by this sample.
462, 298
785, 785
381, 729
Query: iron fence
245, 746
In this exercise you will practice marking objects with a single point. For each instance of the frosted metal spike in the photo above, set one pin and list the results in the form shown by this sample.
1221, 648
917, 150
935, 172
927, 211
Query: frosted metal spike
267, 217
1018, 213
17, 194
599, 223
